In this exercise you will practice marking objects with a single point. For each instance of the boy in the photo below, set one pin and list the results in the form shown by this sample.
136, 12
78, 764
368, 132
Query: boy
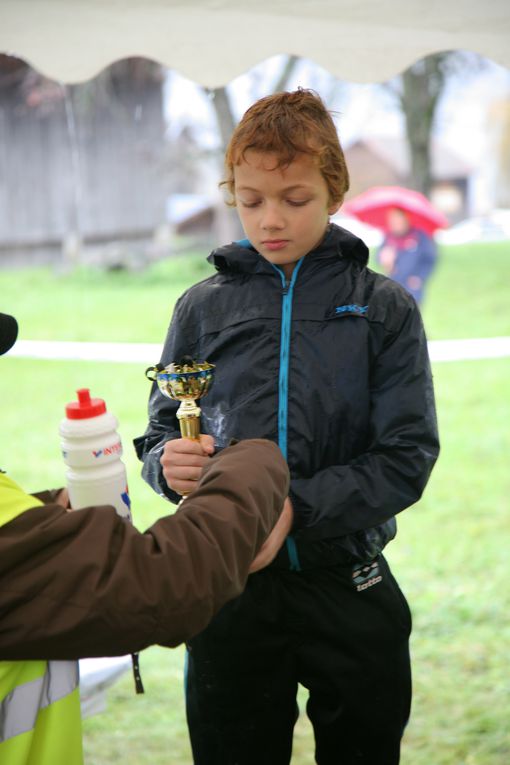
318, 353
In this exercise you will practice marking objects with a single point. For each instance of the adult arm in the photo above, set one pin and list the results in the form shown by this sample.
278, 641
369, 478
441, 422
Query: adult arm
87, 583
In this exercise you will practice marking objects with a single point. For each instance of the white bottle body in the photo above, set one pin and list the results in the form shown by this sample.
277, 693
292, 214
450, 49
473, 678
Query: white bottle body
95, 475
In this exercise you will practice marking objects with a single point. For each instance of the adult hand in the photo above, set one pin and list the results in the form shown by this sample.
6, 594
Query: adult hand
182, 462
62, 499
387, 257
275, 540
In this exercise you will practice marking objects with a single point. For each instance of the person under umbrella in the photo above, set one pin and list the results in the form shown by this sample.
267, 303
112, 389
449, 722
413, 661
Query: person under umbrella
408, 255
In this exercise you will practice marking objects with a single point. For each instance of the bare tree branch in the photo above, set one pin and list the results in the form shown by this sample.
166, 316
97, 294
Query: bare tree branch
286, 73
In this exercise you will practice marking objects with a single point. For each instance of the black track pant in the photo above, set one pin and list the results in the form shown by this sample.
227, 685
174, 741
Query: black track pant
341, 632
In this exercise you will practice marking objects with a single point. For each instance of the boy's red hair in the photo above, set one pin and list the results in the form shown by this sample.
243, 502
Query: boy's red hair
288, 124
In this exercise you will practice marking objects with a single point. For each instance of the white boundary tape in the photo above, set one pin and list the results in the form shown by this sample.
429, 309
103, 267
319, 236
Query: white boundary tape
150, 353
145, 353
478, 348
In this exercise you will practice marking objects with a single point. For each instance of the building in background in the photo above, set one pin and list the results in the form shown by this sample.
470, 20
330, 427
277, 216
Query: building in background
80, 165
384, 161
124, 168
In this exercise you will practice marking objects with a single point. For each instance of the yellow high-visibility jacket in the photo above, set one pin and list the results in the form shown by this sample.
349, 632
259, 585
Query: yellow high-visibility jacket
40, 721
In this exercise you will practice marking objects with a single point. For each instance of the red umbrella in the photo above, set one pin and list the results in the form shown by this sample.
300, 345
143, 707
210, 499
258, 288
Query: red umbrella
372, 206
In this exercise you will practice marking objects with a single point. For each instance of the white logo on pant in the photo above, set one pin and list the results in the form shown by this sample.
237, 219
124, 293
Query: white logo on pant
364, 577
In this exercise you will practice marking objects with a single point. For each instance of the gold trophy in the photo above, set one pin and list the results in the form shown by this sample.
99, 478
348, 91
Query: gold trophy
186, 382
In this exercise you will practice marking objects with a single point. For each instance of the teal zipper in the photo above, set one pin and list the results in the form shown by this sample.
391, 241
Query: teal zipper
283, 385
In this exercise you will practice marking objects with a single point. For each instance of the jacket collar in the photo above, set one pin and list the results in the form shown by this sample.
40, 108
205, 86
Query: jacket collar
338, 243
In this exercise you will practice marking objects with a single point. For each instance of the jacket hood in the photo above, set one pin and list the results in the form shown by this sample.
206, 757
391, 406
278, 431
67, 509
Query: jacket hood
337, 242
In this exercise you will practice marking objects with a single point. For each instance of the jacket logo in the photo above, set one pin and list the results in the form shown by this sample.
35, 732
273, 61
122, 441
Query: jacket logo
364, 577
352, 308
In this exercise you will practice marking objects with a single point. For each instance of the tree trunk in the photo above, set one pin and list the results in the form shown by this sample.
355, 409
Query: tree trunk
286, 73
422, 84
227, 222
224, 114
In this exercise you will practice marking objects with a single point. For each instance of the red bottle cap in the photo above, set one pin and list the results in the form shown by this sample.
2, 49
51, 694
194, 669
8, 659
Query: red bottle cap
85, 407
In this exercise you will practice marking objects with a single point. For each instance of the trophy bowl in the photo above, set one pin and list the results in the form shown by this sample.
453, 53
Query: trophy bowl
186, 382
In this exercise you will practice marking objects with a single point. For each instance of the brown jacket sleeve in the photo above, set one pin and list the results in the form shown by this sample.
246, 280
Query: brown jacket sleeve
87, 583
48, 496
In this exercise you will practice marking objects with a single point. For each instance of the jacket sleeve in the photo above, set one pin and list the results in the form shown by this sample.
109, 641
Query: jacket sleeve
163, 425
48, 495
401, 451
86, 583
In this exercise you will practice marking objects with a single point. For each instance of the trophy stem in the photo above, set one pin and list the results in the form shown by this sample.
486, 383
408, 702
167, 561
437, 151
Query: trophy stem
188, 415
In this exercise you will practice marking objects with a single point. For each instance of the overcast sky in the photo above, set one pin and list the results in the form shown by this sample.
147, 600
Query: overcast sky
362, 109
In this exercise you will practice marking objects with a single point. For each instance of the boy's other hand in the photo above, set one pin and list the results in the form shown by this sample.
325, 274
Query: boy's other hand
182, 462
387, 256
414, 282
275, 540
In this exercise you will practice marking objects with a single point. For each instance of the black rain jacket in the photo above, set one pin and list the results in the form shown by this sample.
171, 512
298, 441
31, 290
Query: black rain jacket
333, 367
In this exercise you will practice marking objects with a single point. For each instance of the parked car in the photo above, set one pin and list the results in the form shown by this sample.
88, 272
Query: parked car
370, 235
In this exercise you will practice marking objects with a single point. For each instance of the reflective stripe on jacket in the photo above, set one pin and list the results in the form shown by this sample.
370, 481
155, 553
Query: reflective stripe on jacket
40, 721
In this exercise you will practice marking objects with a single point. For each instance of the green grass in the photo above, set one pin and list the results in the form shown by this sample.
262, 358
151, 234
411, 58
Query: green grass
450, 555
89, 304
468, 293
466, 297
451, 559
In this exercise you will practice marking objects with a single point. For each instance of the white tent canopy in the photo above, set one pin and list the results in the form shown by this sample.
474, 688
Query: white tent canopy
213, 41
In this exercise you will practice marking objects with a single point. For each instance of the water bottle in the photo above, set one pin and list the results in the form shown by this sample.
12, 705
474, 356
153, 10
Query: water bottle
92, 451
